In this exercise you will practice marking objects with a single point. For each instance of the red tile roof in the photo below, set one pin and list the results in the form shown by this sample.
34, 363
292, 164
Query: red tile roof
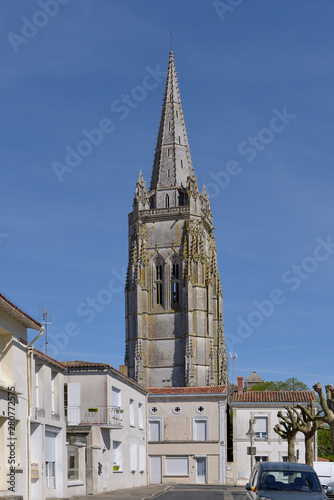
10, 307
218, 389
274, 397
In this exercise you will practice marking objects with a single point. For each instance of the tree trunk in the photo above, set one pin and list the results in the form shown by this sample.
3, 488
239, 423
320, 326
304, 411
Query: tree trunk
331, 428
309, 449
291, 449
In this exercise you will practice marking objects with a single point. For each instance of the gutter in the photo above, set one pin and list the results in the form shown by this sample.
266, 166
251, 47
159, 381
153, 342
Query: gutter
30, 351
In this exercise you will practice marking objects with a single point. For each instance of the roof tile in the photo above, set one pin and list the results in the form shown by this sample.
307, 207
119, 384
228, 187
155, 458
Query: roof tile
274, 397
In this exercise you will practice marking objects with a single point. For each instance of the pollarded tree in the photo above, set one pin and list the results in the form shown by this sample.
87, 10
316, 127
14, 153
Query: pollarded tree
327, 405
287, 428
309, 423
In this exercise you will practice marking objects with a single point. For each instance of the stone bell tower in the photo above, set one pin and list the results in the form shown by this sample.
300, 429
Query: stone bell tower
174, 300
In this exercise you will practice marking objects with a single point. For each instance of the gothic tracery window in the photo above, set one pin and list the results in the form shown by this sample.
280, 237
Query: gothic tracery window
175, 282
158, 283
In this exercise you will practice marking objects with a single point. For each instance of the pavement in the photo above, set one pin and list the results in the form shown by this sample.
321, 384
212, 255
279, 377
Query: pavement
140, 493
149, 493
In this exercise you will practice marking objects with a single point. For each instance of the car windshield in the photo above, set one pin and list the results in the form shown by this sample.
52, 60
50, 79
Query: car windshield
289, 480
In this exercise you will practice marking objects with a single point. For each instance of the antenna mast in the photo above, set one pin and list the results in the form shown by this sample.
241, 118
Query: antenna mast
44, 315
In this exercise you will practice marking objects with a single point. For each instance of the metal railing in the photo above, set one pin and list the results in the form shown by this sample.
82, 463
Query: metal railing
97, 415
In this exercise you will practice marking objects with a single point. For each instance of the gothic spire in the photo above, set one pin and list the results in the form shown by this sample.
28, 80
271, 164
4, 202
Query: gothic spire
172, 161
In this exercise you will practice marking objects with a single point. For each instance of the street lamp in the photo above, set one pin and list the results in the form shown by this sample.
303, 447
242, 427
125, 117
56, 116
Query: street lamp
251, 434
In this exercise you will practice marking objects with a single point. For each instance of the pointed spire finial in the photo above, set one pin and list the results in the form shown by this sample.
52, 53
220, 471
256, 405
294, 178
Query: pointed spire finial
171, 41
172, 160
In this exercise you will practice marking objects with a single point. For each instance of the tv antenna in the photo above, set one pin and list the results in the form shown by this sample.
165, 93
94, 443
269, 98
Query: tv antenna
44, 316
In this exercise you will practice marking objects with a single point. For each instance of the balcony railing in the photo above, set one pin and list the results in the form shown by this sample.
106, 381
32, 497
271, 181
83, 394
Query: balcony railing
97, 415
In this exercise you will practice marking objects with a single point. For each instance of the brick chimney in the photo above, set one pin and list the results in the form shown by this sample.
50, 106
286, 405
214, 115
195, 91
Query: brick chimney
240, 384
123, 369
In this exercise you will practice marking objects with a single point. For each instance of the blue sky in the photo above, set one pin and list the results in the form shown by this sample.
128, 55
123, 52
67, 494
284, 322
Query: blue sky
256, 81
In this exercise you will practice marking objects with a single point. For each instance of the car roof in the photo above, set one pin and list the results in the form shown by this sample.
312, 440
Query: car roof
285, 466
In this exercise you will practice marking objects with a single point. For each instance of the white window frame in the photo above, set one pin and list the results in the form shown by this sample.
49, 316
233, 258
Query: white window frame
140, 416
114, 391
176, 471
261, 435
37, 368
260, 457
53, 376
132, 412
50, 461
200, 419
154, 420
118, 455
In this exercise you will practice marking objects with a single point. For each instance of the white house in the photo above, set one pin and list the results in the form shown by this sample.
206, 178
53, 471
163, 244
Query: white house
106, 429
15, 399
47, 428
262, 407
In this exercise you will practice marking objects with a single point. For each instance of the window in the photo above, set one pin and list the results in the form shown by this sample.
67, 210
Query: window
158, 283
142, 458
50, 459
261, 427
53, 383
200, 429
65, 399
175, 281
116, 397
117, 456
132, 413
72, 463
133, 457
154, 430
261, 458
36, 387
167, 196
140, 416
177, 466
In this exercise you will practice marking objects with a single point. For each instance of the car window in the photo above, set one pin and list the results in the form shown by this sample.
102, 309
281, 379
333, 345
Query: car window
289, 480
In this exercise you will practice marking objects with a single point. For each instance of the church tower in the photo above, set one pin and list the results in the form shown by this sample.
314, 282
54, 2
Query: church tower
174, 310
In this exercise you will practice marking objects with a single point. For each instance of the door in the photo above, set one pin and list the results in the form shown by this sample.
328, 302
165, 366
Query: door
155, 470
89, 470
201, 470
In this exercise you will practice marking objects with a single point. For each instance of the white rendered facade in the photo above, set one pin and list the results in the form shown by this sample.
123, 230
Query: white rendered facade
106, 422
269, 445
187, 435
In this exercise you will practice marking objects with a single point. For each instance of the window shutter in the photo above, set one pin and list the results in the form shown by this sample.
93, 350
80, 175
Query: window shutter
50, 440
260, 424
142, 458
133, 457
154, 430
200, 430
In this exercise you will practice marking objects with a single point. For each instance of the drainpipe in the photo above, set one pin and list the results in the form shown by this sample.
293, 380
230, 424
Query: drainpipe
30, 351
222, 443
